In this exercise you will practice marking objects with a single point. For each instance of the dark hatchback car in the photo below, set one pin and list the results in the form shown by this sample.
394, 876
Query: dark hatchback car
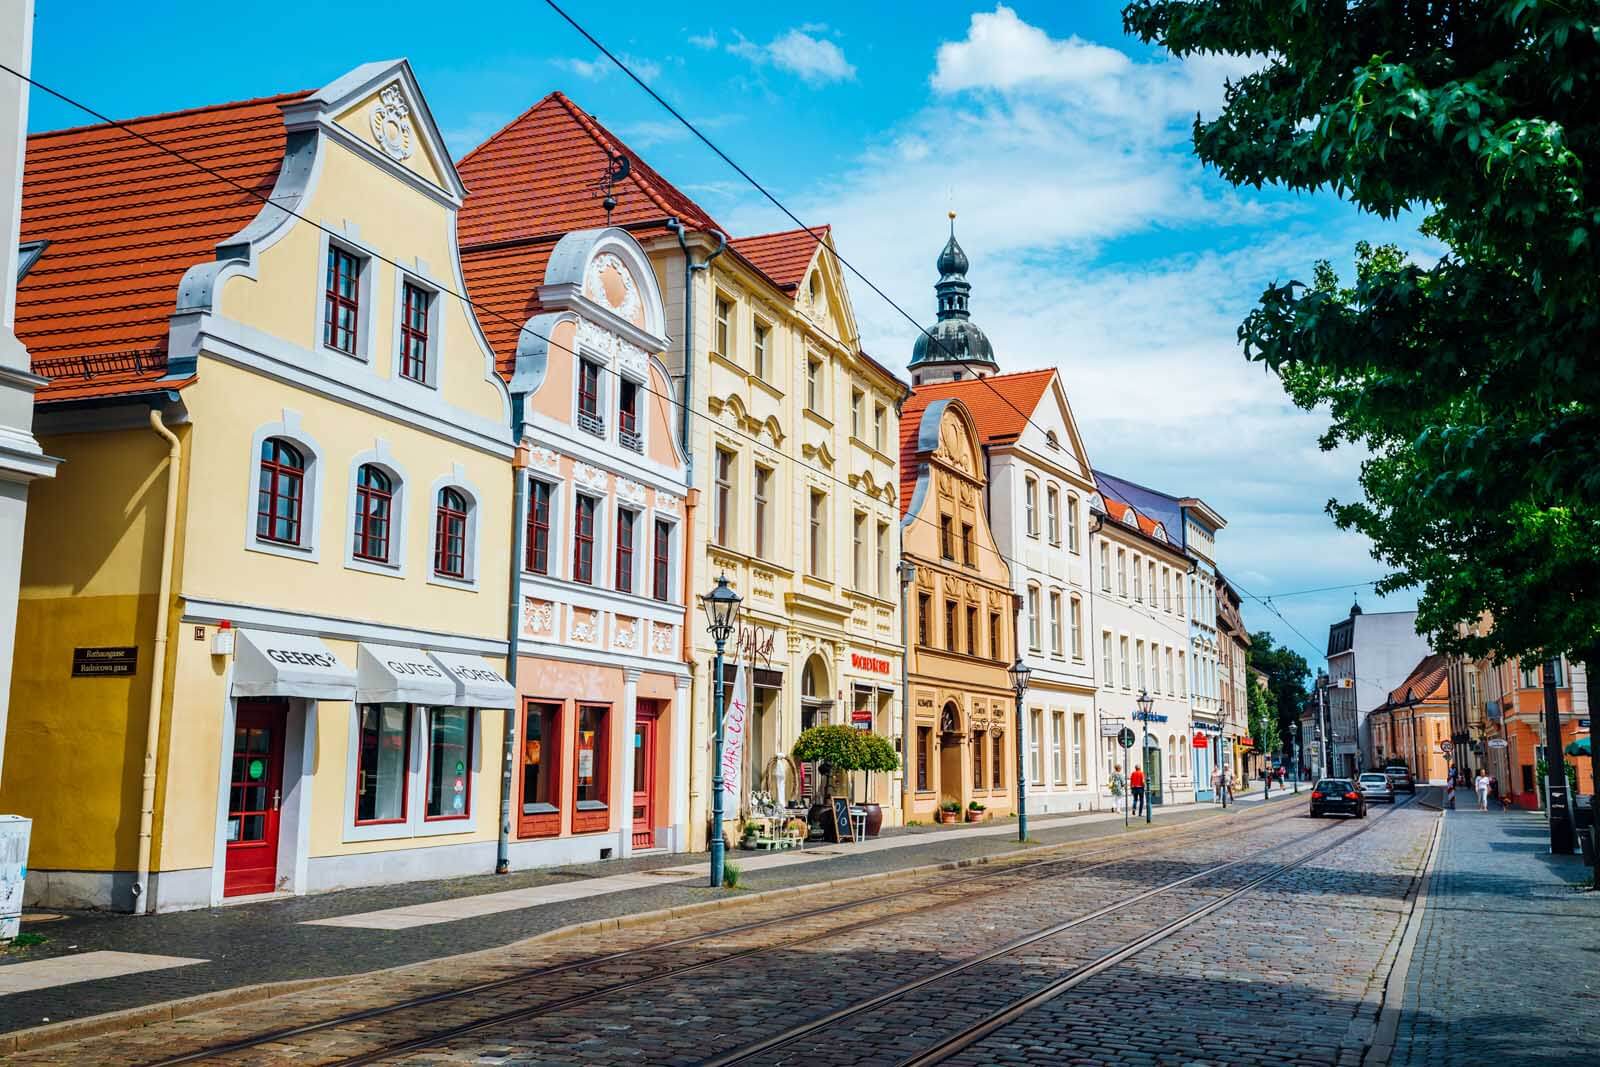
1337, 795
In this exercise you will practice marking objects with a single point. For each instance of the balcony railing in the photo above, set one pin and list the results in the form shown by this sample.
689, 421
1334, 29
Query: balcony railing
590, 422
631, 440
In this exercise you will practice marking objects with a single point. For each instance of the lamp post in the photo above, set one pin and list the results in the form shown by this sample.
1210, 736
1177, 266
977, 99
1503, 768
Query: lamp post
1020, 672
722, 608
1146, 702
908, 575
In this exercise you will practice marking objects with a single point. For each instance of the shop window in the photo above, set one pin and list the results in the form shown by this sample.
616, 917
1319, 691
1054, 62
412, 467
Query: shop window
342, 301
583, 540
374, 513
414, 333
450, 535
541, 769
661, 562
384, 749
449, 763
924, 743
589, 793
626, 520
280, 494
538, 547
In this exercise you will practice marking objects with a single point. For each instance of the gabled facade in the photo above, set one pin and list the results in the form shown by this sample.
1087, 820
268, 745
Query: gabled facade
280, 554
1233, 679
1413, 720
1369, 654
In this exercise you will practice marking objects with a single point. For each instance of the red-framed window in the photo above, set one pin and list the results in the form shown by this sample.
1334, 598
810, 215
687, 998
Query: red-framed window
541, 770
449, 771
374, 509
924, 743
383, 770
661, 561
628, 407
590, 746
279, 492
588, 388
450, 535
538, 548
583, 541
414, 333
626, 521
343, 302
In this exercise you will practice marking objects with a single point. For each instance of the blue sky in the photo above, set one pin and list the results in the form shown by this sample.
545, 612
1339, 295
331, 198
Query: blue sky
1098, 244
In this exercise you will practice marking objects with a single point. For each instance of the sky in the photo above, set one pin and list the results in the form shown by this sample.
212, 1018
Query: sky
1099, 244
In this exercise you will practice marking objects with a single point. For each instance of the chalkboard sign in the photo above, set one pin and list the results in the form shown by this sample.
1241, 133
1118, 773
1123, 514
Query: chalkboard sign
836, 820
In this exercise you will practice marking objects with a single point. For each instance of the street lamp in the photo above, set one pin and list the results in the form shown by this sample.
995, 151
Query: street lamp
722, 609
1020, 672
908, 576
1146, 702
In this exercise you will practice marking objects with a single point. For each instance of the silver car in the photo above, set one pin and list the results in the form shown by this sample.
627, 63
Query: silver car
1374, 785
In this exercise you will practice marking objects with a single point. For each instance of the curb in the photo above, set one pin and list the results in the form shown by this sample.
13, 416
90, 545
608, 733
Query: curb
1381, 1050
167, 1011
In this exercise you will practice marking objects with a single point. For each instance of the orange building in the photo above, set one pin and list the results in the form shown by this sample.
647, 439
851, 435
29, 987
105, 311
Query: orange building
1416, 718
1521, 713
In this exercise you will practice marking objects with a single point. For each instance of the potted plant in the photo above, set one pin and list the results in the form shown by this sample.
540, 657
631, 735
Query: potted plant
841, 749
950, 811
975, 812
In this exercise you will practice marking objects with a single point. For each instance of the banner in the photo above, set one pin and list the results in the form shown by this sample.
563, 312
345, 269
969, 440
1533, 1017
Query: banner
735, 713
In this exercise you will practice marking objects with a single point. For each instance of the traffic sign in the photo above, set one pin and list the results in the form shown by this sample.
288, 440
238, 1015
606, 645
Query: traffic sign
1446, 747
1497, 742
1125, 738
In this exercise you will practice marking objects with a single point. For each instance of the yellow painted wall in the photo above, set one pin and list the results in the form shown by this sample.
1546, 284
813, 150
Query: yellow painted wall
358, 120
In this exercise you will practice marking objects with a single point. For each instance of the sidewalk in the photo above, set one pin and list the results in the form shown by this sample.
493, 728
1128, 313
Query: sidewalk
96, 962
1506, 967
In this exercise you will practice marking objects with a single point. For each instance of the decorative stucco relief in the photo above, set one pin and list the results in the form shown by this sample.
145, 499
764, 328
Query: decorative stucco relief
391, 123
585, 627
544, 459
538, 618
590, 477
630, 492
625, 634
629, 357
661, 639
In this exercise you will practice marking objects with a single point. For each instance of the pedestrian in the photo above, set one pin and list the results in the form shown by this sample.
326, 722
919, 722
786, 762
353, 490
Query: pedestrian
1227, 785
1482, 785
1118, 787
1216, 786
1136, 784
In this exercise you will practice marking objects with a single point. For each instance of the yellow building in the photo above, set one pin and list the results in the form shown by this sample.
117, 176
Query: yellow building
263, 614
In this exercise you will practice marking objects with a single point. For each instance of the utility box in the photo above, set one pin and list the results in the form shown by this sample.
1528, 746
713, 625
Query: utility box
14, 833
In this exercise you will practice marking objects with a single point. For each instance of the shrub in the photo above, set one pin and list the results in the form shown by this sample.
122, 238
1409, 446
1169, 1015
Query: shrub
844, 748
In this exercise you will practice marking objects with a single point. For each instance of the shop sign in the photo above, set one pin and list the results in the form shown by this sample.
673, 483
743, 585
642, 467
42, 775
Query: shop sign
755, 645
1497, 742
733, 723
1149, 716
871, 664
1110, 727
1201, 741
861, 719
101, 662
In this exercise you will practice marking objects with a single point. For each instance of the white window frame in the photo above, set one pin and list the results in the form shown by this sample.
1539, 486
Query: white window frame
416, 823
378, 456
457, 480
350, 242
1058, 765
727, 324
1052, 513
435, 291
1073, 545
1034, 634
1056, 647
1075, 617
1030, 505
291, 430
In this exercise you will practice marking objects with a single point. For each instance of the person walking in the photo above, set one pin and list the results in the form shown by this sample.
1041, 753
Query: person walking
1481, 783
1136, 784
1118, 788
1216, 786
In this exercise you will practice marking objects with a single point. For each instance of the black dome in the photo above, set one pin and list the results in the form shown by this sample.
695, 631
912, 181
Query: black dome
952, 260
954, 338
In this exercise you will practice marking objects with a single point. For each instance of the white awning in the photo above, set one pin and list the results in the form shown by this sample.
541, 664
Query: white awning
269, 664
386, 674
478, 685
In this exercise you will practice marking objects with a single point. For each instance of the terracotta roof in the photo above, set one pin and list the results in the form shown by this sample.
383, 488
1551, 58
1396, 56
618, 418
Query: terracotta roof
910, 418
1428, 680
124, 220
1118, 510
784, 257
1001, 404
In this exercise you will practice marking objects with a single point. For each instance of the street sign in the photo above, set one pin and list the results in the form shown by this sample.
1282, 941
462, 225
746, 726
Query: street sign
1497, 742
1110, 727
1446, 747
1125, 738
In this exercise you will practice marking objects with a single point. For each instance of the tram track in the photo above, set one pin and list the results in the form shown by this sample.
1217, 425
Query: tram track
1032, 869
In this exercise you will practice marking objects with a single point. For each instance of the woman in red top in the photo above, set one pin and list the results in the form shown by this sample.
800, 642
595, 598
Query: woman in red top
1136, 784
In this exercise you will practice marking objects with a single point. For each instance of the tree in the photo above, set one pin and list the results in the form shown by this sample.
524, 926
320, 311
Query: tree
1263, 721
1466, 379
1286, 672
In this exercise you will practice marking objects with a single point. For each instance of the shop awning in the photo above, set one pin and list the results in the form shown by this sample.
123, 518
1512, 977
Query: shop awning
386, 674
478, 685
1580, 747
269, 664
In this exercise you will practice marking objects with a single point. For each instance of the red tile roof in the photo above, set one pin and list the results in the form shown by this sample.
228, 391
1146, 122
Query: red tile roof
784, 257
125, 220
1001, 406
1118, 510
1428, 680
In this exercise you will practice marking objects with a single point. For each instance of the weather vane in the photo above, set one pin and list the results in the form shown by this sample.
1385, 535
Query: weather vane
617, 168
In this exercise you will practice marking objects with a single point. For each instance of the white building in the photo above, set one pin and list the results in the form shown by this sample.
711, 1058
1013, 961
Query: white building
1368, 656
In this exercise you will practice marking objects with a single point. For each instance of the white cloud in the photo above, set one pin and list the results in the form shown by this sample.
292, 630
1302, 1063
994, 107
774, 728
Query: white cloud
1003, 52
814, 60
600, 67
703, 40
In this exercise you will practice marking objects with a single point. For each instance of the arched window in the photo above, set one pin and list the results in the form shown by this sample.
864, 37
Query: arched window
280, 494
450, 535
374, 514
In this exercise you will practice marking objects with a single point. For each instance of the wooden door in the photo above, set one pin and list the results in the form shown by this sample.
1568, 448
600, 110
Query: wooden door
255, 792
644, 778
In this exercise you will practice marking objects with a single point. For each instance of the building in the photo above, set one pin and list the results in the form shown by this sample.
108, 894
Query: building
1141, 640
1520, 717
963, 748
1369, 655
1194, 526
278, 559
1233, 680
1414, 721
789, 431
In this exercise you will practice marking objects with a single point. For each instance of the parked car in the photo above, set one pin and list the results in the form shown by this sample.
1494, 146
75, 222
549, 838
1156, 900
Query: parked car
1337, 795
1376, 786
1400, 777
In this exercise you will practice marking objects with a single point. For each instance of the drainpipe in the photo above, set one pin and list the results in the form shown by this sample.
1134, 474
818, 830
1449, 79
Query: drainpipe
158, 666
689, 267
1098, 521
508, 747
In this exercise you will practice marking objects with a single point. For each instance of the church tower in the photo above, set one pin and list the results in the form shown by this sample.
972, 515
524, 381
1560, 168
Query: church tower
954, 347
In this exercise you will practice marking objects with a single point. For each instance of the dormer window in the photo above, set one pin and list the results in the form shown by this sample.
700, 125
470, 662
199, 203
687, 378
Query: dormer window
589, 417
628, 416
343, 304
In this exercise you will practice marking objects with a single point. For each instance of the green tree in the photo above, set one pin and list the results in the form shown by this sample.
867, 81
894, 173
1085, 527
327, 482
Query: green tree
1465, 379
1263, 721
1286, 672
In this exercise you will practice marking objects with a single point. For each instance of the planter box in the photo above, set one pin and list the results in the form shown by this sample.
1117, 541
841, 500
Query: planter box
977, 816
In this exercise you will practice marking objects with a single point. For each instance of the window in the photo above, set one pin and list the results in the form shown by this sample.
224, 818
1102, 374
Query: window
1183, 677
1105, 568
858, 414
589, 419
626, 520
1122, 573
414, 333
924, 611
947, 537
583, 540
628, 416
374, 503
1058, 761
1138, 581
539, 528
1530, 677
1166, 588
541, 776
813, 384
885, 582
969, 553
880, 416
722, 500
450, 535
1150, 583
1122, 660
449, 764
1105, 657
1030, 505
972, 630
1052, 514
660, 563
1033, 617
858, 548
1035, 753
1177, 594
924, 743
1079, 732
997, 762
1072, 523
1077, 629
758, 349
279, 496
977, 759
589, 775
384, 758
343, 303
763, 504
1167, 664
722, 332
950, 634
817, 519
1138, 652
1055, 622
996, 645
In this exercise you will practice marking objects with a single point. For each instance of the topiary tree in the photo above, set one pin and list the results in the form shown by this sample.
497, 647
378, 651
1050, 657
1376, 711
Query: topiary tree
844, 748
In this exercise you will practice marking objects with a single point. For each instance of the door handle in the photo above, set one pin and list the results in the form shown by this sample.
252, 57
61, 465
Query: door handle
276, 795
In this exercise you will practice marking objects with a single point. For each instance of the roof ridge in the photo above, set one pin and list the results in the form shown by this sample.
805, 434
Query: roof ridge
809, 231
643, 172
178, 114
554, 94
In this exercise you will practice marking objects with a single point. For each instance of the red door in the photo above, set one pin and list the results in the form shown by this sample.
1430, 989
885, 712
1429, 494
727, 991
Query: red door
255, 790
644, 779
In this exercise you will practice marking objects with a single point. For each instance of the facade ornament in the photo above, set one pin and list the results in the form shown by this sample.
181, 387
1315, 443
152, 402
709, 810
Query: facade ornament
391, 123
660, 639
626, 302
667, 505
538, 617
586, 626
628, 357
590, 477
626, 636
630, 492
545, 459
